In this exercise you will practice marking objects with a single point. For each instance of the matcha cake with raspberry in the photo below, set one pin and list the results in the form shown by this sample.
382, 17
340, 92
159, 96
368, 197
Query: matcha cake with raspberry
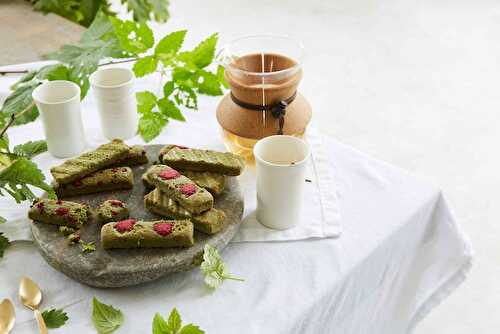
104, 180
147, 234
212, 182
135, 157
180, 188
210, 221
90, 162
202, 160
59, 212
112, 210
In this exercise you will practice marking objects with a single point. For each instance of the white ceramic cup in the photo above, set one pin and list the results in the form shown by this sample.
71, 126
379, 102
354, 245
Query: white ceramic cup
281, 163
59, 105
114, 93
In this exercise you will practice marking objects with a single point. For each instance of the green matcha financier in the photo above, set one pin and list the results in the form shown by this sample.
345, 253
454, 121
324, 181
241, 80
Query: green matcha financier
130, 233
90, 162
180, 188
209, 222
58, 212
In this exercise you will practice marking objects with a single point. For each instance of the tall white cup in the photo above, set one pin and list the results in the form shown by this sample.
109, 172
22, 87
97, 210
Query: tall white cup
281, 163
59, 105
114, 93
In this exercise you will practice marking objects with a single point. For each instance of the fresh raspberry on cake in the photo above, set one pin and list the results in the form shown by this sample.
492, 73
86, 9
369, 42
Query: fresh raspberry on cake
169, 174
125, 225
163, 229
188, 189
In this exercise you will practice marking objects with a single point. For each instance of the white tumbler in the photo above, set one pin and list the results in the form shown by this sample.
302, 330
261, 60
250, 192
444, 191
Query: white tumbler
281, 164
114, 93
59, 105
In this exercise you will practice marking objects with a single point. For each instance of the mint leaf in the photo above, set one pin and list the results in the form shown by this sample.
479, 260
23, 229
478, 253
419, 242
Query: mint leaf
134, 37
25, 78
31, 148
140, 9
203, 54
191, 329
87, 247
168, 88
151, 124
106, 318
186, 96
2, 221
146, 101
4, 142
160, 10
145, 65
19, 100
169, 109
170, 45
54, 318
160, 326
4, 243
15, 179
100, 29
213, 268
208, 83
220, 76
174, 321
53, 72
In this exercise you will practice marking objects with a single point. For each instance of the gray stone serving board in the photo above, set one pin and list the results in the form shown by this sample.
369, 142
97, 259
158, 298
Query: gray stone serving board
126, 267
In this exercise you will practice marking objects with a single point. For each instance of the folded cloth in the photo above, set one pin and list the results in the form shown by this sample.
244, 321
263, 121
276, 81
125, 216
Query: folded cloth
320, 215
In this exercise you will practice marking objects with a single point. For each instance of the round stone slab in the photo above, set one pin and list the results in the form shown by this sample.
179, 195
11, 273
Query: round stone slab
124, 267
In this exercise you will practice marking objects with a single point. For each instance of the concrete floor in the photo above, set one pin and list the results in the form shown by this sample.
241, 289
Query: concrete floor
414, 83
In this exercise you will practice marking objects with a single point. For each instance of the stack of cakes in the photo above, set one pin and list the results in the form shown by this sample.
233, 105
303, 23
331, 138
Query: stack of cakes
183, 190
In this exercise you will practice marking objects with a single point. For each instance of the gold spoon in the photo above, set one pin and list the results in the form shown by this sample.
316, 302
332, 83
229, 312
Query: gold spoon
7, 316
31, 297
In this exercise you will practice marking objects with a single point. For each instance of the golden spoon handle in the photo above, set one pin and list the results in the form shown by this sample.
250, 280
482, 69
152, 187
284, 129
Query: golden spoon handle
41, 323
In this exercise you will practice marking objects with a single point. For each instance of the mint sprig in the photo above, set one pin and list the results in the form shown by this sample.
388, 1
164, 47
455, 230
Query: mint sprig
4, 243
106, 318
54, 318
173, 325
214, 269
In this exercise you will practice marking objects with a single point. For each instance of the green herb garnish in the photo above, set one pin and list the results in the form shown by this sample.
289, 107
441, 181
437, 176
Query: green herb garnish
173, 325
54, 318
106, 318
214, 269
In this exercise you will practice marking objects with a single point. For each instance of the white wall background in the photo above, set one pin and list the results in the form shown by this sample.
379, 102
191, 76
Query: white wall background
415, 83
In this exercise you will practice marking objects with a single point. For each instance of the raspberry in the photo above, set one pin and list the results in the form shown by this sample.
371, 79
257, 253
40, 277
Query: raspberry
163, 229
40, 206
62, 211
188, 189
125, 225
168, 174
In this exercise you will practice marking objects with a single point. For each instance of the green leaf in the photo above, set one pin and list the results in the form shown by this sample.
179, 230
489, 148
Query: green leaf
4, 142
191, 329
186, 96
140, 9
16, 177
183, 75
87, 247
100, 29
220, 76
170, 45
160, 10
31, 148
2, 221
208, 83
19, 100
213, 268
106, 318
25, 78
169, 109
53, 72
4, 243
203, 53
134, 37
160, 326
54, 318
168, 88
151, 124
146, 101
145, 66
174, 321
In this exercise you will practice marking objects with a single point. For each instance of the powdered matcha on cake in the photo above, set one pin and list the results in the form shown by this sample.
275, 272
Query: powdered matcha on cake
142, 234
212, 182
202, 160
112, 210
90, 162
100, 181
180, 188
59, 212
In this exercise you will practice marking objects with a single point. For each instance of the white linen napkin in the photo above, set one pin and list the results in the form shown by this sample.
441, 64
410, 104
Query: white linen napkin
321, 214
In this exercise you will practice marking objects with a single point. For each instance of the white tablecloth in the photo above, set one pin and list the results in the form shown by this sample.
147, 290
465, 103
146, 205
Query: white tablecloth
400, 253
